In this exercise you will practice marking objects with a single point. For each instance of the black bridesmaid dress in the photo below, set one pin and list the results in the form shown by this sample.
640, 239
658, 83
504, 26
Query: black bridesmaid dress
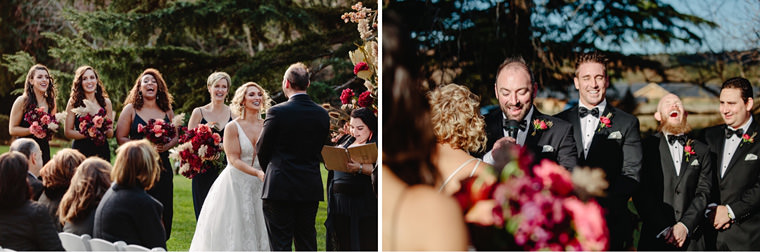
88, 147
202, 182
163, 190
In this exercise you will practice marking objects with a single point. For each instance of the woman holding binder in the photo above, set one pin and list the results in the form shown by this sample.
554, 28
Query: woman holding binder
352, 209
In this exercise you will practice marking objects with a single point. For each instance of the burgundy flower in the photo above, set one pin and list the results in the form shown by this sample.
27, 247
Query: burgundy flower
346, 96
361, 66
365, 99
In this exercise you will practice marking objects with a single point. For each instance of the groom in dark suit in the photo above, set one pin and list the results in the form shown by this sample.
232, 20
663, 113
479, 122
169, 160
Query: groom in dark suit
676, 176
607, 138
736, 204
289, 153
519, 122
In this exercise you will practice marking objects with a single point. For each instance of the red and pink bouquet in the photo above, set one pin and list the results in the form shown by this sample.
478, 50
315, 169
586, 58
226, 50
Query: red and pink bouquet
43, 124
531, 208
200, 149
93, 122
158, 132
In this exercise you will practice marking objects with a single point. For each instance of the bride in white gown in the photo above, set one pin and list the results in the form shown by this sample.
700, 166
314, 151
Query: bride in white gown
232, 217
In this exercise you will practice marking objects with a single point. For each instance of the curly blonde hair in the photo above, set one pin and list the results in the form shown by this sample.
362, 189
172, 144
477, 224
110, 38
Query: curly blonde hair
237, 106
456, 119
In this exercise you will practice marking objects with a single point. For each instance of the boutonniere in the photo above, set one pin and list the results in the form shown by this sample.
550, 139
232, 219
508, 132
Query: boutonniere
539, 124
605, 122
688, 150
748, 139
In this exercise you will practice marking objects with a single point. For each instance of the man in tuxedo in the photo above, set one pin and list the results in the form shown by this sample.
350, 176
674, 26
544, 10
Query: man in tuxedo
676, 177
519, 122
607, 138
33, 153
289, 153
736, 184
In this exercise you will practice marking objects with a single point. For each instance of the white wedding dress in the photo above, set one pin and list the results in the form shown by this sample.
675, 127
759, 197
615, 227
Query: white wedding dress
232, 217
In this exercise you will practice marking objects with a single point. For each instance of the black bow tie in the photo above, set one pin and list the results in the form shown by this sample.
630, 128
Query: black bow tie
730, 132
681, 139
512, 126
584, 112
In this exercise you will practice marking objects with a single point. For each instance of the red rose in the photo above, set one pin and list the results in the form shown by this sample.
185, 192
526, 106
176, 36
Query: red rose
98, 121
605, 120
361, 66
346, 96
140, 128
365, 99
688, 149
217, 138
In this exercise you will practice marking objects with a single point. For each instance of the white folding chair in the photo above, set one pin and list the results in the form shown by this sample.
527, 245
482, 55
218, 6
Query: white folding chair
135, 247
72, 242
158, 249
120, 245
98, 244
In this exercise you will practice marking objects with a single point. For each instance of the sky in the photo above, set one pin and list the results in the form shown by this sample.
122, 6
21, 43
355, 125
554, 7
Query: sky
738, 21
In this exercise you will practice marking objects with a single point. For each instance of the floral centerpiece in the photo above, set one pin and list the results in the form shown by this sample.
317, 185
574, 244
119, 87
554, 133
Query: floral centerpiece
200, 149
93, 122
364, 57
541, 207
43, 124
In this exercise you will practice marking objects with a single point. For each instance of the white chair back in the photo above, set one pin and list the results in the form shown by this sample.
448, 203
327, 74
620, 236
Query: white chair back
158, 249
72, 242
98, 244
135, 247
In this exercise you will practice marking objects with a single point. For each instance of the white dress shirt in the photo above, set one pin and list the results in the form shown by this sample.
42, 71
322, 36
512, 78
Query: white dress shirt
730, 148
676, 152
589, 124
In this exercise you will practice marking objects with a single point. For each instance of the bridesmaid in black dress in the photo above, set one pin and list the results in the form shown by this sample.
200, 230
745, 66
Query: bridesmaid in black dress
217, 114
39, 92
150, 99
88, 86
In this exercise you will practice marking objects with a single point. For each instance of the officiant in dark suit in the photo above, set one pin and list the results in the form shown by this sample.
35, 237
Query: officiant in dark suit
519, 122
736, 190
289, 151
607, 138
676, 177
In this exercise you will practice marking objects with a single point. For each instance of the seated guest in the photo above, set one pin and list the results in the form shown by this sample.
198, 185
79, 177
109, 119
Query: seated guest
33, 153
127, 212
56, 176
24, 224
676, 177
91, 180
459, 129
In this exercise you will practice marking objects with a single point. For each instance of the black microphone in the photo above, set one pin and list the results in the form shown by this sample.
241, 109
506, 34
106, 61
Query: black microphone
512, 128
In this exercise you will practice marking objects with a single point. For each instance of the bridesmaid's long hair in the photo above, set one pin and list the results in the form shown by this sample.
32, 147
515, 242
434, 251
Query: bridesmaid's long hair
163, 98
31, 98
77, 92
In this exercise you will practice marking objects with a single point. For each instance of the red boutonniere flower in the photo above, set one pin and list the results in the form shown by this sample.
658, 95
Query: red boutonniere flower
541, 125
605, 122
688, 150
748, 139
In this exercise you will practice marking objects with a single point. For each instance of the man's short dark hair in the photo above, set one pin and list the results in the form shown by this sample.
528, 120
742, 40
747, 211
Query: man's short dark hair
592, 57
298, 76
26, 146
739, 83
518, 62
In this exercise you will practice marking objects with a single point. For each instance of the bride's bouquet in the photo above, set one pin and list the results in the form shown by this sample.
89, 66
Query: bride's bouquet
534, 208
93, 122
200, 149
43, 124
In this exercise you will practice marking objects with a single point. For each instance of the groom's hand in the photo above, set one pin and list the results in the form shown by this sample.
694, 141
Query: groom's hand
501, 149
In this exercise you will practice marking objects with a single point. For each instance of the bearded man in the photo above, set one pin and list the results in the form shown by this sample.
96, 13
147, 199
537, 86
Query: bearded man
675, 183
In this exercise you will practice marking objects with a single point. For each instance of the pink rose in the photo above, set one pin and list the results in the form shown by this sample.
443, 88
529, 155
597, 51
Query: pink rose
98, 121
217, 138
605, 120
203, 128
589, 223
555, 177
93, 132
45, 119
83, 125
140, 128
158, 130
543, 125
37, 130
688, 149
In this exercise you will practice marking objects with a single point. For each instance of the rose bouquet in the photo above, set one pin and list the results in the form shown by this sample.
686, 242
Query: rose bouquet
531, 208
93, 122
200, 149
43, 124
158, 132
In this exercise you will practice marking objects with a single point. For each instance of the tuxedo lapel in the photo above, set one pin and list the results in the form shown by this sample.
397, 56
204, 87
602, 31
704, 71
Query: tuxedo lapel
685, 163
742, 150
666, 160
575, 119
601, 134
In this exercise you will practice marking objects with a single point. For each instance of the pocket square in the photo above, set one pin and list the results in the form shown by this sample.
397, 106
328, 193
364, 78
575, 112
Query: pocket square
615, 135
547, 148
695, 162
750, 157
